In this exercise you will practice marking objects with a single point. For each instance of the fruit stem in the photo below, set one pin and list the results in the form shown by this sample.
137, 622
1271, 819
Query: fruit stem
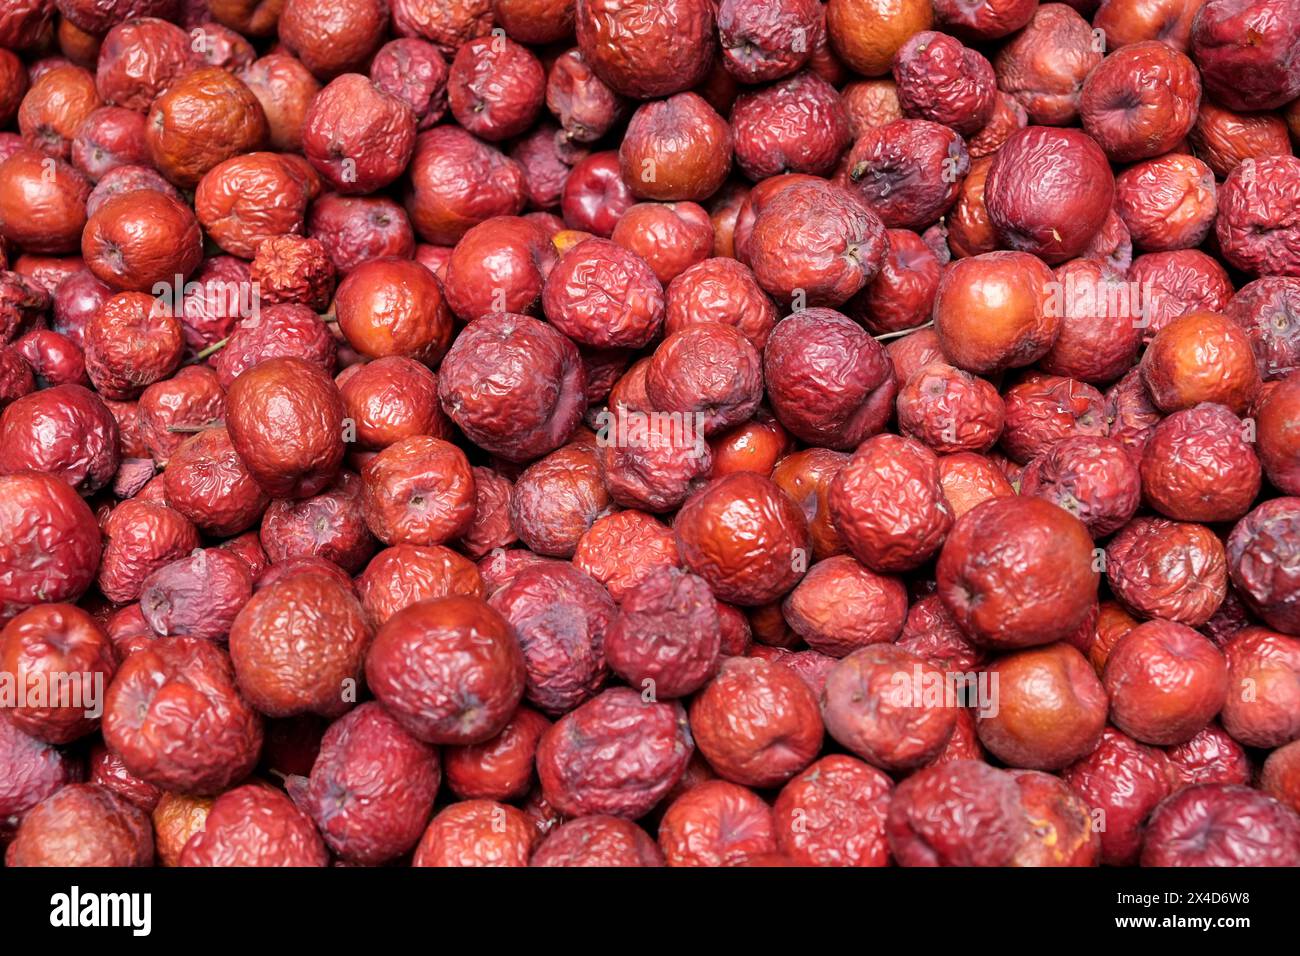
884, 337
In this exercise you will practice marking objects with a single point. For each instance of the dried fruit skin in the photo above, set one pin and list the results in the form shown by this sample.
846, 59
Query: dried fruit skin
285, 419
667, 635
1016, 572
83, 825
371, 788
829, 382
840, 606
1123, 781
716, 824
196, 596
745, 537
1222, 825
175, 717
404, 574
514, 385
500, 768
646, 49
1262, 708
888, 506
65, 431
1165, 569
598, 841
255, 825
560, 616
963, 813
450, 670
615, 755
833, 814
476, 833
298, 646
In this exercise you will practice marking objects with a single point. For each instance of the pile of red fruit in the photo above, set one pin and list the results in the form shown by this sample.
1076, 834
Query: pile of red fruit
628, 432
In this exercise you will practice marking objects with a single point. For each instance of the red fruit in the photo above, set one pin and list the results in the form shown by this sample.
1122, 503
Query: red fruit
963, 813
255, 825
616, 754
175, 718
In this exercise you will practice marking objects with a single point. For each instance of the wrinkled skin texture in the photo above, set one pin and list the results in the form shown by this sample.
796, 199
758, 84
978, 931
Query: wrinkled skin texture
196, 596
1222, 825
950, 410
829, 383
756, 723
888, 505
1269, 310
35, 771
371, 788
1277, 438
1062, 825
1165, 682
1261, 561
39, 645
708, 374
402, 575
255, 825
1171, 284
208, 483
1257, 226
476, 833
940, 80
1165, 569
1042, 410
840, 606
603, 295
392, 398
509, 254
131, 342
1093, 478
358, 137
1248, 52
333, 38
450, 670
415, 72
1051, 709
1048, 192
615, 755
1017, 572
745, 537
1198, 466
419, 490
140, 537
243, 201
962, 813
500, 768
285, 419
330, 525
1044, 67
716, 824
83, 825
65, 431
495, 88
1262, 708
1141, 101
174, 716
43, 214
833, 814
646, 48
797, 125
41, 518
909, 171
904, 726
457, 182
720, 290
514, 385
816, 243
622, 549
203, 118
1167, 203
667, 634
560, 617
1211, 757
598, 841
298, 647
